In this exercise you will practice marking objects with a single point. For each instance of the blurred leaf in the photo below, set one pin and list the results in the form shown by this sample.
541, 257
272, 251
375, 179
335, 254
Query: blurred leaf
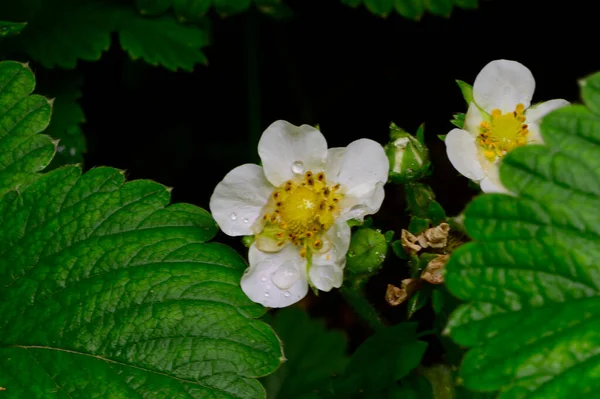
314, 354
532, 277
11, 28
380, 7
368, 249
108, 291
152, 7
412, 9
417, 225
398, 250
23, 151
436, 213
228, 7
384, 358
162, 41
419, 299
191, 10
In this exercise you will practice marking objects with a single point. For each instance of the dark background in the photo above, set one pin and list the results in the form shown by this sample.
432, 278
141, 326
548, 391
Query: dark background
345, 69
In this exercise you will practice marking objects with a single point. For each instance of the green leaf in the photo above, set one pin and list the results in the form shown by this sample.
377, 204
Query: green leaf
531, 277
162, 41
108, 291
466, 4
380, 7
383, 359
91, 23
229, 7
458, 120
191, 10
352, 3
314, 354
436, 213
442, 8
411, 9
368, 250
67, 117
153, 7
466, 90
23, 151
417, 225
11, 28
443, 136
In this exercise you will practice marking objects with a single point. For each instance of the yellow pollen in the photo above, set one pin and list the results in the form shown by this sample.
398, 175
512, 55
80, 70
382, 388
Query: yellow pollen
299, 212
503, 133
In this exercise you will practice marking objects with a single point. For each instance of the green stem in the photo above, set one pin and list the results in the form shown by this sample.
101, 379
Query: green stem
254, 125
353, 294
441, 380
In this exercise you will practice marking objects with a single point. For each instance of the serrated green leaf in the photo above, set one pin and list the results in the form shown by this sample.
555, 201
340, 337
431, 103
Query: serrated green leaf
11, 28
532, 275
442, 8
191, 10
466, 90
67, 117
107, 291
314, 355
380, 7
162, 41
23, 152
458, 120
60, 32
153, 7
384, 358
411, 9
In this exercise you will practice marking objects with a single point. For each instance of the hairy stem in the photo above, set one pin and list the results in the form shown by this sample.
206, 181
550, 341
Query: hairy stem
354, 296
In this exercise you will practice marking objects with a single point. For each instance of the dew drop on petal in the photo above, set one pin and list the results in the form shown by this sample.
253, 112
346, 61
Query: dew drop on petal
263, 278
266, 294
285, 276
233, 216
287, 294
298, 167
246, 220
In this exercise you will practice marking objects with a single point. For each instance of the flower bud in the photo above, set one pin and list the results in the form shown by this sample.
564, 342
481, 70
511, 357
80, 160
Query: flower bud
368, 250
409, 157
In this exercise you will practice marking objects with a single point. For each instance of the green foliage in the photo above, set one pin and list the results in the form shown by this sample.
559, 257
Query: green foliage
368, 249
108, 291
531, 277
314, 355
24, 152
11, 28
412, 9
53, 25
194, 10
380, 362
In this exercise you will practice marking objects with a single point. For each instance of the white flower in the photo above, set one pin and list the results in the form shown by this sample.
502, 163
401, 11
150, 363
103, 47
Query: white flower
498, 120
297, 206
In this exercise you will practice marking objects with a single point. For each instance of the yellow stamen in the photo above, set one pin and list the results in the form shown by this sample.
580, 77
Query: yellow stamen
503, 133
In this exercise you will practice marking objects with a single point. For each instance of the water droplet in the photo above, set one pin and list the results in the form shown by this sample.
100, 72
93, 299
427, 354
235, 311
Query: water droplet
287, 294
263, 278
298, 167
60, 148
233, 216
285, 276
246, 220
352, 254
266, 294
72, 151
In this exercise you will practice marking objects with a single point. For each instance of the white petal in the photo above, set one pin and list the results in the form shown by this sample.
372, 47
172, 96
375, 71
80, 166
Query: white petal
535, 135
334, 162
503, 84
489, 185
362, 200
462, 153
535, 113
239, 198
326, 277
364, 161
275, 280
287, 151
473, 119
339, 238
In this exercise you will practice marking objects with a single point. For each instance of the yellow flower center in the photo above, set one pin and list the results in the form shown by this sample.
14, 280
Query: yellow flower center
503, 133
300, 212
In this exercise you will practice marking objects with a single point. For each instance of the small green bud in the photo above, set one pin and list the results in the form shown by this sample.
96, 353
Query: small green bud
248, 240
409, 157
368, 250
